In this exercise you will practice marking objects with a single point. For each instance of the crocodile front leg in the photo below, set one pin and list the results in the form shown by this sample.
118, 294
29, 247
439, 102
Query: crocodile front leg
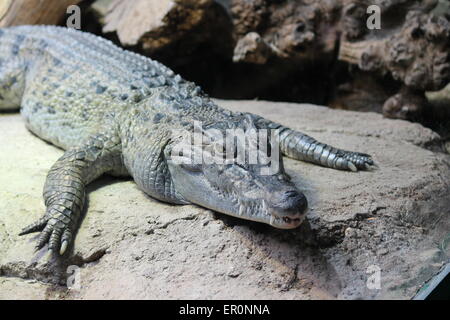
64, 190
300, 146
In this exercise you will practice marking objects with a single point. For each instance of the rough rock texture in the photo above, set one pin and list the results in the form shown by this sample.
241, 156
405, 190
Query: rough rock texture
416, 56
308, 51
163, 25
131, 246
439, 115
19, 12
294, 30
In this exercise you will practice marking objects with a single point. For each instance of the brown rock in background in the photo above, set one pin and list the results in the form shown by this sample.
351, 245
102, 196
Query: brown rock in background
409, 52
294, 30
310, 51
20, 12
411, 48
157, 26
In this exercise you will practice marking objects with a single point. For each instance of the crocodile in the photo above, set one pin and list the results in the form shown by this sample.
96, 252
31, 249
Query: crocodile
115, 112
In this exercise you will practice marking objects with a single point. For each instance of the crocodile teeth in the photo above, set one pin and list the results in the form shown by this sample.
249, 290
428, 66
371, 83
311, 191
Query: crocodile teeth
272, 219
241, 210
264, 206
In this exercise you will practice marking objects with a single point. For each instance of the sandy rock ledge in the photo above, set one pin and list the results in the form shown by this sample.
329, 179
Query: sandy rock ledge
130, 246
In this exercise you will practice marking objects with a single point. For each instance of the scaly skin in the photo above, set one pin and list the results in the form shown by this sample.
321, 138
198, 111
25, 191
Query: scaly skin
114, 112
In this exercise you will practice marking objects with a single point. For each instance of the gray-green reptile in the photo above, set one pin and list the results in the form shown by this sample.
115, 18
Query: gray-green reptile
114, 112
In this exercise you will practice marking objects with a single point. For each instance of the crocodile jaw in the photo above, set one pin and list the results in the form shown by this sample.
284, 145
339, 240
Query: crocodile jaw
195, 188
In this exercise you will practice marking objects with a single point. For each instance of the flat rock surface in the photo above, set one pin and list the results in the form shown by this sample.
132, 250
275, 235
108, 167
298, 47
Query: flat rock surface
393, 222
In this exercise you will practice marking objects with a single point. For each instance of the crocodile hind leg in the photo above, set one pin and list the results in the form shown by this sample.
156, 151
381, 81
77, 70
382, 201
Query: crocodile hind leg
12, 83
64, 190
300, 146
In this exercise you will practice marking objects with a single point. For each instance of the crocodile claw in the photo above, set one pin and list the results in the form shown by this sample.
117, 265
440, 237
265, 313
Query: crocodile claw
34, 227
64, 245
359, 161
352, 167
54, 231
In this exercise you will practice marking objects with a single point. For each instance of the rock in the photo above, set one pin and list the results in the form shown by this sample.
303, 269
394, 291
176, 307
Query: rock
400, 54
410, 48
155, 25
19, 12
398, 217
438, 115
252, 48
295, 30
18, 289
132, 20
350, 232
308, 51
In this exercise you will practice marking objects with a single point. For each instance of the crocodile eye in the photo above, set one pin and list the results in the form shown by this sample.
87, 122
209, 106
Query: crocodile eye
191, 167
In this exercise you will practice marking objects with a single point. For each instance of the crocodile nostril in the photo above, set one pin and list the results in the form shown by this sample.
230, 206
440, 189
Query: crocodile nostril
291, 193
291, 203
299, 203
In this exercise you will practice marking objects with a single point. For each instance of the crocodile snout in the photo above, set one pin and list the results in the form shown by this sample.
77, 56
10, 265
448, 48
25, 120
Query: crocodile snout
288, 207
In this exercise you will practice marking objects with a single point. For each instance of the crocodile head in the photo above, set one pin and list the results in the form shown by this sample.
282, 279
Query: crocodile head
242, 189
